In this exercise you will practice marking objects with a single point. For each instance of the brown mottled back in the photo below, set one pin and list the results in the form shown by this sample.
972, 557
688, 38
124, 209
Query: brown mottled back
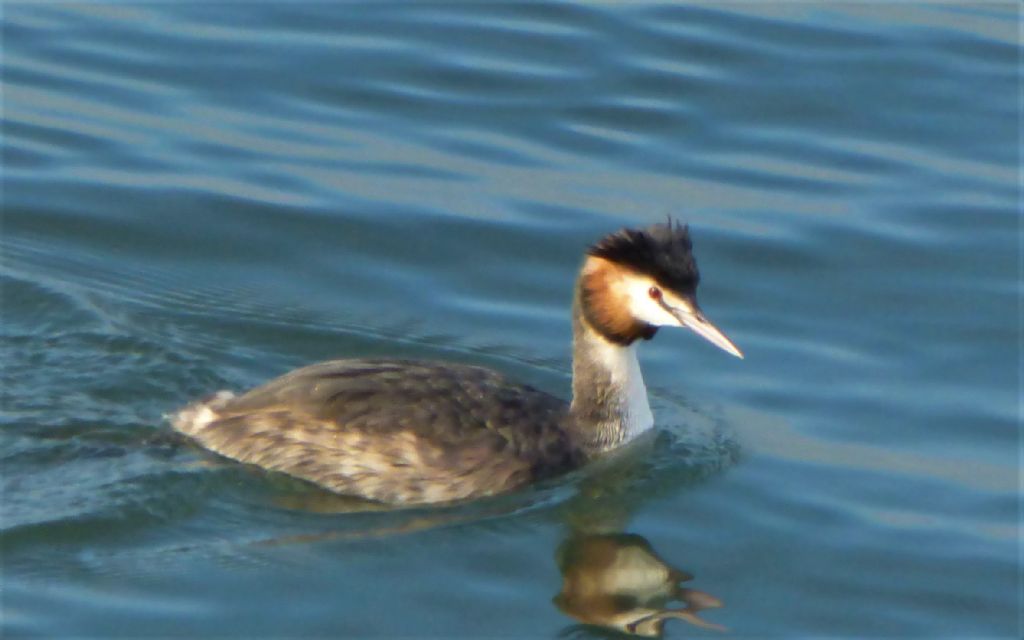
396, 431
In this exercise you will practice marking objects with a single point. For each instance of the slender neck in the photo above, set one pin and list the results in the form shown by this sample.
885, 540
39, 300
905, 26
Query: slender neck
609, 399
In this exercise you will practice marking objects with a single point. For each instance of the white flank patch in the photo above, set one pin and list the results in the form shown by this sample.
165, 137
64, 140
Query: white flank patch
202, 417
197, 416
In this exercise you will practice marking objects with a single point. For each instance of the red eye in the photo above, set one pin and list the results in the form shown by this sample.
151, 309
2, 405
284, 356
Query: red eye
655, 293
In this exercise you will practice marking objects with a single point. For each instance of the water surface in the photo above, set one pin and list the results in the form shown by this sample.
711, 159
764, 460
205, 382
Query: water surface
204, 196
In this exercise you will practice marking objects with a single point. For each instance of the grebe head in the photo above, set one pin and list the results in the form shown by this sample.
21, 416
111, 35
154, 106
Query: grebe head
636, 280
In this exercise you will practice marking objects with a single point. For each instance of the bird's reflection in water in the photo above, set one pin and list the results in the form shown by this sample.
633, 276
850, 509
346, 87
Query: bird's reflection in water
617, 581
610, 579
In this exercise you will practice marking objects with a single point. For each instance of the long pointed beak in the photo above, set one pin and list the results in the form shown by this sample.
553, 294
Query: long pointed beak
699, 324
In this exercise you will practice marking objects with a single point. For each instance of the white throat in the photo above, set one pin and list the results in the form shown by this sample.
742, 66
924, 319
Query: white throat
624, 370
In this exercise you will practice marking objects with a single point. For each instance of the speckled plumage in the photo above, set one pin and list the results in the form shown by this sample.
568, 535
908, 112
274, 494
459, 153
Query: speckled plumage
396, 431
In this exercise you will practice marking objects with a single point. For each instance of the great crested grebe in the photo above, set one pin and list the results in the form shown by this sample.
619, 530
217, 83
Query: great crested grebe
409, 432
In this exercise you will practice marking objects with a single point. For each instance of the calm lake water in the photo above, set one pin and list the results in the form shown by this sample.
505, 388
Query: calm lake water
201, 196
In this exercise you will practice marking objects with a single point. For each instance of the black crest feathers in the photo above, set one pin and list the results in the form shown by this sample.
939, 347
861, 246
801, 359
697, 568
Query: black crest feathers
662, 251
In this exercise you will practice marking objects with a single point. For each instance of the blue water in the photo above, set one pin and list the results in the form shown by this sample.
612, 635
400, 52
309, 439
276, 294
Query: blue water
202, 196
